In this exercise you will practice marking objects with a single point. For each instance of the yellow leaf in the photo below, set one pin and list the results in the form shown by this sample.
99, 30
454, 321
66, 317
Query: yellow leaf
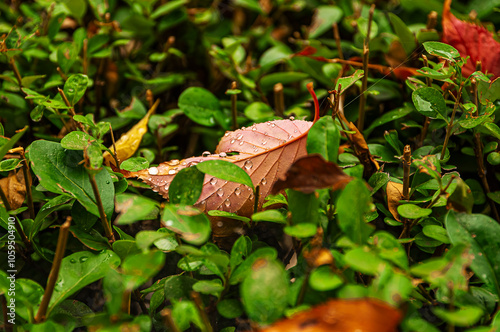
129, 142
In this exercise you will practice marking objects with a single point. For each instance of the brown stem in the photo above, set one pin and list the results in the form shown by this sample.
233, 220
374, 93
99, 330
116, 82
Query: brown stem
138, 298
336, 35
16, 72
71, 109
150, 98
54, 271
161, 64
104, 221
406, 172
364, 82
234, 108
113, 143
428, 80
279, 100
450, 124
166, 314
125, 305
27, 181
85, 59
257, 197
431, 20
199, 305
63, 75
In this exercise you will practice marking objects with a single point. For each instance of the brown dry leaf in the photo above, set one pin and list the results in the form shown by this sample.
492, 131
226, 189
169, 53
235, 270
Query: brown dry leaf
14, 188
266, 151
361, 148
130, 141
394, 195
360, 315
310, 173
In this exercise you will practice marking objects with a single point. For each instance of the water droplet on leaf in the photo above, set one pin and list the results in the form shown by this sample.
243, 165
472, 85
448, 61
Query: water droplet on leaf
248, 164
153, 171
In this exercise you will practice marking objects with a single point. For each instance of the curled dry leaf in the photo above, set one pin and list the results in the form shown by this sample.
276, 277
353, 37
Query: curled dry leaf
130, 141
310, 173
471, 40
360, 315
266, 151
14, 188
361, 149
394, 195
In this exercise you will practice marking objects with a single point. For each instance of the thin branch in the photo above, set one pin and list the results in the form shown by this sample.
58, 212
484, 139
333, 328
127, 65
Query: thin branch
449, 128
364, 82
104, 221
279, 100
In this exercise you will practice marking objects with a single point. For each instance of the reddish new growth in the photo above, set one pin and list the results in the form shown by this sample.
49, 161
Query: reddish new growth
315, 99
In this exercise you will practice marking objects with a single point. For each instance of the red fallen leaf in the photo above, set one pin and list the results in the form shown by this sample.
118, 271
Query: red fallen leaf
266, 151
310, 173
471, 40
360, 315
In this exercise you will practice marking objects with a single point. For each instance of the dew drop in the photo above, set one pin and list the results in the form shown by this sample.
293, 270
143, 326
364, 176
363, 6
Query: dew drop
153, 171
292, 118
183, 163
243, 128
268, 123
73, 261
226, 134
237, 191
265, 133
241, 143
220, 192
172, 171
174, 162
213, 181
273, 125
248, 164
254, 128
290, 136
220, 224
166, 186
227, 203
205, 154
193, 163
233, 140
107, 182
263, 181
239, 137
169, 223
251, 197
83, 259
295, 131
223, 155
264, 142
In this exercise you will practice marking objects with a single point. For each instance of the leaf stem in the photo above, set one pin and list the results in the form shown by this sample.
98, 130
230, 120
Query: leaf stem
310, 88
166, 314
450, 124
279, 100
54, 271
199, 305
27, 181
234, 108
71, 109
336, 35
257, 198
406, 171
113, 143
104, 221
364, 82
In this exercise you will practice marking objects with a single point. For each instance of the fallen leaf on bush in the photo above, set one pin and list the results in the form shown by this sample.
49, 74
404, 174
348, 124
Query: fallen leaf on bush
471, 40
310, 173
14, 188
265, 151
360, 315
394, 195
361, 148
130, 141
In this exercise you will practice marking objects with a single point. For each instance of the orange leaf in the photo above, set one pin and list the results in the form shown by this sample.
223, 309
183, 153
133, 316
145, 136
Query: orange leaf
14, 188
473, 41
360, 315
394, 195
266, 151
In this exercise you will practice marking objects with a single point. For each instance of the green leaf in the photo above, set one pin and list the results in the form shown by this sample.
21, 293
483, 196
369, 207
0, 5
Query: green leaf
139, 268
91, 238
180, 193
346, 82
352, 204
10, 144
269, 215
264, 291
225, 214
302, 230
168, 7
225, 170
304, 207
144, 239
190, 223
441, 50
493, 158
323, 279
242, 271
59, 171
75, 88
9, 164
412, 211
461, 199
430, 102
436, 232
481, 233
274, 55
324, 138
390, 249
365, 261
406, 37
267, 82
200, 105
241, 248
210, 287
230, 308
185, 314
323, 19
388, 117
258, 111
79, 270
94, 154
134, 208
466, 316
134, 164
76, 140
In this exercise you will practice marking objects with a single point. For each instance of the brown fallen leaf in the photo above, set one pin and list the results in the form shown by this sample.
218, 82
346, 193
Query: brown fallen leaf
265, 151
130, 141
394, 195
14, 188
310, 173
360, 315
362, 152
471, 40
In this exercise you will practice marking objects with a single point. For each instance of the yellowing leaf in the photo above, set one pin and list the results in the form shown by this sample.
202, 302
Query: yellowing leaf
129, 142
